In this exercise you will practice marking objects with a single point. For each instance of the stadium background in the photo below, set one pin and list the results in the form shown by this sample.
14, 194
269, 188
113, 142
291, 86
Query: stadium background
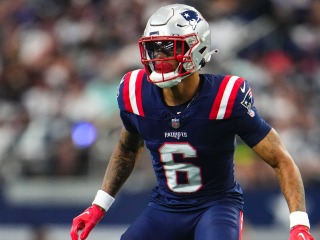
60, 65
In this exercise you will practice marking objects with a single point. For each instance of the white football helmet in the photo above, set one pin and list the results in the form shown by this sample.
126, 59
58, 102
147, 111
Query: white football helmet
175, 32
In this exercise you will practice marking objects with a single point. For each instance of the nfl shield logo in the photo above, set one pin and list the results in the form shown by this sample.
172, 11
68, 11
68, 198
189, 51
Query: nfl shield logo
175, 123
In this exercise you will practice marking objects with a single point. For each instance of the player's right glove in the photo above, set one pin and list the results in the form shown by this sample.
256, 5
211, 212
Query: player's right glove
300, 233
86, 221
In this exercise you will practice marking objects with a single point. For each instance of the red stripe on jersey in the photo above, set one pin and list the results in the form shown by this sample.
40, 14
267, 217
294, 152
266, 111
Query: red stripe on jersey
217, 101
232, 97
138, 92
240, 225
126, 96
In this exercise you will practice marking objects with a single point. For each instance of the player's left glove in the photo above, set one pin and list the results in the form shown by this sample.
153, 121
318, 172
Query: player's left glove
300, 233
86, 221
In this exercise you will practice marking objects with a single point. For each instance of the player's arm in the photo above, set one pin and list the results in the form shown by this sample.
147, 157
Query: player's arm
273, 152
121, 164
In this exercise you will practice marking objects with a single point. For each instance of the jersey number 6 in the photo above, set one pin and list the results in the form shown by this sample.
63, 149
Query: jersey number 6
193, 173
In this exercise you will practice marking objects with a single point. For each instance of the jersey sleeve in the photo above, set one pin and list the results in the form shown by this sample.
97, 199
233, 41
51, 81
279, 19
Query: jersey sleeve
243, 101
126, 116
233, 98
130, 92
247, 123
251, 127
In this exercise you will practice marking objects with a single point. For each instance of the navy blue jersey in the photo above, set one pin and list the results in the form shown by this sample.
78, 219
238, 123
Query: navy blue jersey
192, 151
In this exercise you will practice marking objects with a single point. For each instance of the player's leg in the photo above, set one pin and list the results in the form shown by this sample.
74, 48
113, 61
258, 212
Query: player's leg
220, 222
153, 224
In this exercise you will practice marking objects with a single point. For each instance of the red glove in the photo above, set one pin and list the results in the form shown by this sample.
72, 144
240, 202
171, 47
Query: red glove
86, 221
300, 233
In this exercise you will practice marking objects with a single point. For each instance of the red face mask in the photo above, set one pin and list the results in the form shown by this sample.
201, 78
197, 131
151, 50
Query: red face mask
165, 54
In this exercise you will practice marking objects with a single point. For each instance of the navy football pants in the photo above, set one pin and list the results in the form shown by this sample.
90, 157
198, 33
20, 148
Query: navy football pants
222, 221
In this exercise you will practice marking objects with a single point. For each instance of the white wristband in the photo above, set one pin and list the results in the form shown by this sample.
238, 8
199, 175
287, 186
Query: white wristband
103, 200
299, 218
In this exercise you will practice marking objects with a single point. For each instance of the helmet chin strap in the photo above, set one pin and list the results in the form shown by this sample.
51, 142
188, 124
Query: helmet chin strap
168, 84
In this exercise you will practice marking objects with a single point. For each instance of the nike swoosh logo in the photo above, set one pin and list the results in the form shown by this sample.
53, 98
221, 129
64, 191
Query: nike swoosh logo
87, 212
301, 234
244, 87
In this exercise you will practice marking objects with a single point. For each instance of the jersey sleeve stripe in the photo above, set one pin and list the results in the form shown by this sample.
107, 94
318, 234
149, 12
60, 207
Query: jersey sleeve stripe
232, 97
217, 101
223, 104
132, 91
126, 98
226, 96
132, 96
138, 92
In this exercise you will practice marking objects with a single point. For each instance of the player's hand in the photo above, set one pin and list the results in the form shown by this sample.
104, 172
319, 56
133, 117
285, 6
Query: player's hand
86, 221
300, 233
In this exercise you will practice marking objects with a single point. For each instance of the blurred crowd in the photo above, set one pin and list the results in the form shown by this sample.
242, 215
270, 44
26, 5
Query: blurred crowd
61, 62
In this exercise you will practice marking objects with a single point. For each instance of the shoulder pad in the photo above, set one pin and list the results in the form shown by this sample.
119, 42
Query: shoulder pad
226, 97
129, 96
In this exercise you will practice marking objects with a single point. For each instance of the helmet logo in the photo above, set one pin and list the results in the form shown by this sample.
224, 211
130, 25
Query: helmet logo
192, 17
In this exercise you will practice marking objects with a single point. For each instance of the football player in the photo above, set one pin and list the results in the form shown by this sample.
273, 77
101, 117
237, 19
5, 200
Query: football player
188, 122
